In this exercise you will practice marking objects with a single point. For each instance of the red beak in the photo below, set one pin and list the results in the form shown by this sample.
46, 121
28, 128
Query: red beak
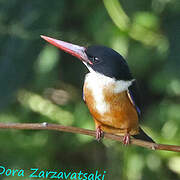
75, 50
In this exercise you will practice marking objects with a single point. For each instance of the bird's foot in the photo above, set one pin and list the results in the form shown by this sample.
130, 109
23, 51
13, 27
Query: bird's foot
99, 134
126, 139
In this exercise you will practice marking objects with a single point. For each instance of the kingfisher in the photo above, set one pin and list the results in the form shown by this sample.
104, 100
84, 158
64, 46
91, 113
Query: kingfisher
110, 91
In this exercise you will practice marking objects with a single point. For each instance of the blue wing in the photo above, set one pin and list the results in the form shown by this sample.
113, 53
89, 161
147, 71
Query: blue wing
133, 94
83, 96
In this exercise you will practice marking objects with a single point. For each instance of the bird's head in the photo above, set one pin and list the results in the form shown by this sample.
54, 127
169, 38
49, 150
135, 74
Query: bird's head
98, 59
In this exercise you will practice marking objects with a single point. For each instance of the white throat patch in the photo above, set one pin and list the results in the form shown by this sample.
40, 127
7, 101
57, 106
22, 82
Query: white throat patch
96, 82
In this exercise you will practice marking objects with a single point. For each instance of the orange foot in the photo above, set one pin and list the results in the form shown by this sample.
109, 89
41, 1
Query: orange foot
126, 139
99, 133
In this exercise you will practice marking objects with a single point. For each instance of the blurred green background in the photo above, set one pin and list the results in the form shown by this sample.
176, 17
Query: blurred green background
39, 83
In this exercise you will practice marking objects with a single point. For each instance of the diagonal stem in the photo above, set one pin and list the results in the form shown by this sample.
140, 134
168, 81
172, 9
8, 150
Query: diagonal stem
57, 127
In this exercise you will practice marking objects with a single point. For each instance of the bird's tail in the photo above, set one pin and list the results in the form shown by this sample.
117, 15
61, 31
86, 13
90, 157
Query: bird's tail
143, 136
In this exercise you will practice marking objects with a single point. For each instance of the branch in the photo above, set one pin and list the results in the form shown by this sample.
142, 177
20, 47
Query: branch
57, 127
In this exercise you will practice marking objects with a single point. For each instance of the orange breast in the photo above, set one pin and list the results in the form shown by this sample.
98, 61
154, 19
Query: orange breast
120, 113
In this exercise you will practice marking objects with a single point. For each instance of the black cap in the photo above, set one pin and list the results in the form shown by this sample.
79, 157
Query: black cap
108, 62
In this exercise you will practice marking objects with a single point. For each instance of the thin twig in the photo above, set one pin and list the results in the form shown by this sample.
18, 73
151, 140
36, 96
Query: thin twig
57, 127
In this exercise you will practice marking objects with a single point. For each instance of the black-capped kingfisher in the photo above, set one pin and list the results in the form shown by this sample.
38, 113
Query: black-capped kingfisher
109, 91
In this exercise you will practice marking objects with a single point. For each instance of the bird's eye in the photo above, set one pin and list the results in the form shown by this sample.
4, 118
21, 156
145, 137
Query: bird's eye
93, 59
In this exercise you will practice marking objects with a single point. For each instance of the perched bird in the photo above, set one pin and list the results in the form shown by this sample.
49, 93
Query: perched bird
109, 91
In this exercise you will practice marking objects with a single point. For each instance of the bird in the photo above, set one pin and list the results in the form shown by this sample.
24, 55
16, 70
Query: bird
109, 91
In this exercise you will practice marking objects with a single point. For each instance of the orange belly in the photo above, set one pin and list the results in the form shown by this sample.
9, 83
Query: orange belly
121, 116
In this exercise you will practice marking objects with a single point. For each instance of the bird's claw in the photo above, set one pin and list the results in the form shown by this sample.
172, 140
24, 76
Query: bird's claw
99, 134
126, 139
